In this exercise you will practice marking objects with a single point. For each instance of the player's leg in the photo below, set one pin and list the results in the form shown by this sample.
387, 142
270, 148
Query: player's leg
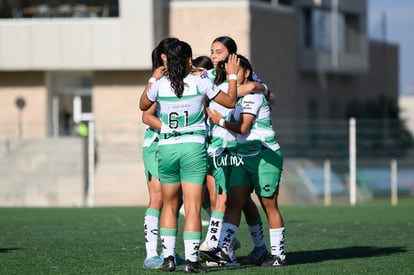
193, 169
152, 213
169, 172
270, 165
255, 227
218, 181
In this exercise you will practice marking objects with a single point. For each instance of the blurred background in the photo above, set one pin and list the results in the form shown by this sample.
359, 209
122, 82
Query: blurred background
71, 73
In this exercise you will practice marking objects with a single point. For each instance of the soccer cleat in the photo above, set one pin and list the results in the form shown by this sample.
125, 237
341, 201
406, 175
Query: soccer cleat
274, 261
153, 262
211, 264
168, 264
231, 254
232, 258
233, 262
193, 267
217, 255
204, 246
178, 260
257, 256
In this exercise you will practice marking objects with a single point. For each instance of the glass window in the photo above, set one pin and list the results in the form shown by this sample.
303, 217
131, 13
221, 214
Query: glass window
58, 8
352, 31
319, 30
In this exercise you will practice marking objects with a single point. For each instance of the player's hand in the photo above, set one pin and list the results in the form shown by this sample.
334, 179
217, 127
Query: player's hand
159, 72
232, 65
214, 116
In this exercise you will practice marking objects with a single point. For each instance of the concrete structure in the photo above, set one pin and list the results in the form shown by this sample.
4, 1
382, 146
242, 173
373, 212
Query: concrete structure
99, 66
46, 172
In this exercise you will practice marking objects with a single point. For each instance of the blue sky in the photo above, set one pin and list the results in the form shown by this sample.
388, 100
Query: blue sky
400, 30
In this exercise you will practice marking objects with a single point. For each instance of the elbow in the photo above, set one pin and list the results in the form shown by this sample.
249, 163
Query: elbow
232, 105
143, 107
243, 130
229, 105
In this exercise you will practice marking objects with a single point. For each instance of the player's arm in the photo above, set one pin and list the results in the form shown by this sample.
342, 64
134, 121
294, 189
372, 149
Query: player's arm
144, 102
252, 86
242, 126
149, 118
228, 99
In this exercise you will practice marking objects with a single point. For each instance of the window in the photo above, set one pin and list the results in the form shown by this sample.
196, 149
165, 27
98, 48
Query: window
58, 8
352, 31
319, 30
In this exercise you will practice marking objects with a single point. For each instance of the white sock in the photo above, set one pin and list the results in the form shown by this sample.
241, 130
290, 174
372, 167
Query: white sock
214, 228
257, 234
277, 242
228, 232
168, 239
192, 242
151, 220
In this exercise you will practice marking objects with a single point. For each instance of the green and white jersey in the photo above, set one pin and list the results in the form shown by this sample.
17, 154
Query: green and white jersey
221, 138
211, 74
183, 119
151, 134
261, 132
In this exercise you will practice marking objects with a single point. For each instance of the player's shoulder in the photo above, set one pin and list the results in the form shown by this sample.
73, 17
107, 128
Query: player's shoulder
254, 96
204, 75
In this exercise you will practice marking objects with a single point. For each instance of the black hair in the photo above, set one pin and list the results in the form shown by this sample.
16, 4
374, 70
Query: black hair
203, 61
220, 72
221, 69
228, 42
161, 48
178, 55
246, 65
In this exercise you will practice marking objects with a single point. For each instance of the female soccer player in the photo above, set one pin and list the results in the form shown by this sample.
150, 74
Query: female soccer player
149, 155
182, 155
261, 170
220, 147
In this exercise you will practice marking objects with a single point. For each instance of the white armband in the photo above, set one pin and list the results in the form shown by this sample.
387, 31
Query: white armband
232, 77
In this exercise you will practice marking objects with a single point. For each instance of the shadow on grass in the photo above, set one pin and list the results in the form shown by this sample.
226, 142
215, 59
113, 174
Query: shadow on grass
316, 256
226, 268
6, 250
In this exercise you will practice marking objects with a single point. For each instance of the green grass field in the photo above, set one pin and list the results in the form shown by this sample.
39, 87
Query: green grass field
373, 238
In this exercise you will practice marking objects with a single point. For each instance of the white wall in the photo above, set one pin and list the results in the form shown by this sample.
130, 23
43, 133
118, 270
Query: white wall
80, 43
